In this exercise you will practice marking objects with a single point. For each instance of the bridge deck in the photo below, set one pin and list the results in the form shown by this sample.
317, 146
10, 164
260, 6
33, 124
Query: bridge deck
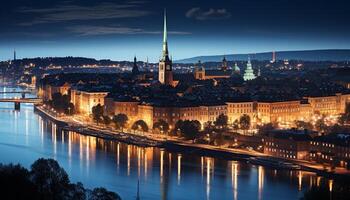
22, 100
15, 92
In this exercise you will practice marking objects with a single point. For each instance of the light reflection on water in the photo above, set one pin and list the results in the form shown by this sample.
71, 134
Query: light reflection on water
24, 137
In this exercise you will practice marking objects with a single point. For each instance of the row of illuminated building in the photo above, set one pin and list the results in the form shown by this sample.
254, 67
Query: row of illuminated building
333, 149
152, 110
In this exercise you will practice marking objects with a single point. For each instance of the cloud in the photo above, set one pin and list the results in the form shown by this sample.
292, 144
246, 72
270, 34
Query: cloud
67, 12
85, 30
211, 14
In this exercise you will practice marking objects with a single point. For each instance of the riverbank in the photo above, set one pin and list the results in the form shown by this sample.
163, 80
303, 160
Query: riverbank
174, 144
95, 132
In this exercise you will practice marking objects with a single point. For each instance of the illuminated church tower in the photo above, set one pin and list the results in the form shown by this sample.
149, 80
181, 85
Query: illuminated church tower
249, 73
165, 64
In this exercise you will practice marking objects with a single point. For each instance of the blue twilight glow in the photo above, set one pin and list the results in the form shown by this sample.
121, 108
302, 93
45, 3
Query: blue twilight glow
120, 29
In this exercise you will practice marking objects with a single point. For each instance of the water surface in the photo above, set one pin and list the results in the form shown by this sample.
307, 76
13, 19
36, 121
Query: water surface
25, 137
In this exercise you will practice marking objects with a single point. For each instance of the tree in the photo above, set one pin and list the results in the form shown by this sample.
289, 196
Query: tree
15, 183
235, 125
221, 122
77, 191
106, 120
61, 103
190, 129
46, 180
244, 122
303, 125
266, 128
97, 113
208, 127
177, 127
320, 125
103, 194
340, 191
140, 125
52, 181
120, 121
162, 126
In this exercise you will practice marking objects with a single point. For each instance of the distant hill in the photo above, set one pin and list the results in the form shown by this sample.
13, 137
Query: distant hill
307, 55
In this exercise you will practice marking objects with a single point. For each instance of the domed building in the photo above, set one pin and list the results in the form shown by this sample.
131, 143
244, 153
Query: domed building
236, 69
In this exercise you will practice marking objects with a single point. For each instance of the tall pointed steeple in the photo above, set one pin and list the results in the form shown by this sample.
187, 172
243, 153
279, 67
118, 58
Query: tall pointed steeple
135, 68
165, 72
165, 55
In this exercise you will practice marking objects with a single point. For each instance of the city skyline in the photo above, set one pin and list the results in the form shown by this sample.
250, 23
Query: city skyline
119, 30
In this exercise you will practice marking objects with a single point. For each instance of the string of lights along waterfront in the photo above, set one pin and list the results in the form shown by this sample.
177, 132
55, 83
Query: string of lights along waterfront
26, 136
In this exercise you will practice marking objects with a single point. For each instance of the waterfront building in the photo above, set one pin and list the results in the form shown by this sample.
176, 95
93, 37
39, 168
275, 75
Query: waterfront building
249, 73
285, 112
210, 111
46, 91
85, 99
328, 105
239, 107
122, 105
333, 149
287, 144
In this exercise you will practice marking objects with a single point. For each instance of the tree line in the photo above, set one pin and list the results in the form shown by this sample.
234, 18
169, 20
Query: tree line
46, 180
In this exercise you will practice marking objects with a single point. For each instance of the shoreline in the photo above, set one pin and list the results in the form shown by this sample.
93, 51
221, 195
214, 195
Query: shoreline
183, 147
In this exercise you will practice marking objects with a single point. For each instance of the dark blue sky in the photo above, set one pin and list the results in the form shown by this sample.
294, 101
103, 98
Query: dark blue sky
120, 29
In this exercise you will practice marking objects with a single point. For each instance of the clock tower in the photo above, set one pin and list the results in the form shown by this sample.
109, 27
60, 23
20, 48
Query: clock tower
165, 73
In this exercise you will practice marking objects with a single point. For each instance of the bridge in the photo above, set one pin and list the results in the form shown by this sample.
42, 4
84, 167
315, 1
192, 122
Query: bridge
18, 101
17, 92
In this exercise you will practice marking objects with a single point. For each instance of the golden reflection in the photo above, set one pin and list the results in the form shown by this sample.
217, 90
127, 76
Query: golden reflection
161, 165
118, 155
202, 165
41, 130
300, 180
62, 137
54, 140
80, 151
311, 181
145, 159
169, 161
208, 177
128, 160
260, 181
87, 152
179, 168
234, 179
138, 161
70, 148
318, 181
330, 185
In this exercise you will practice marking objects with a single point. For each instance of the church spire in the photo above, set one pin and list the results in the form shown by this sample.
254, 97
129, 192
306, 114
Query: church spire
165, 39
135, 68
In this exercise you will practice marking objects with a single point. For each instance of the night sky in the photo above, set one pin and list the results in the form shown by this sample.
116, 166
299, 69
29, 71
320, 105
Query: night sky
118, 30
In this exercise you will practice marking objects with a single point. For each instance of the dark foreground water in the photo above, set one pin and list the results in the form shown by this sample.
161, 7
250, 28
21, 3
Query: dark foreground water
25, 137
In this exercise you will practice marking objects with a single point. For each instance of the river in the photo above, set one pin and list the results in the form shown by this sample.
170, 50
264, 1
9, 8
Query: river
26, 136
